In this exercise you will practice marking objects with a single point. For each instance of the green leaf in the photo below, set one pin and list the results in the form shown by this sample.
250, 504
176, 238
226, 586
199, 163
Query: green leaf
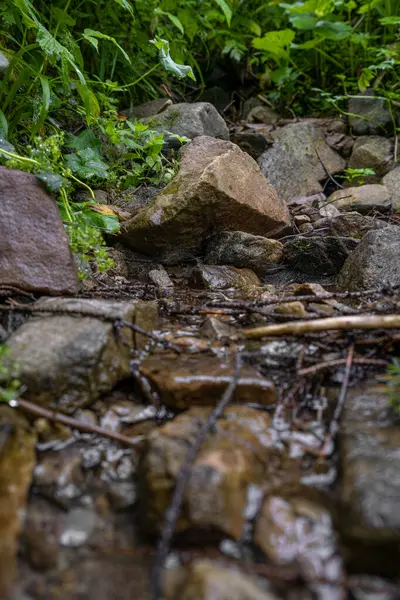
275, 42
304, 22
63, 18
52, 181
365, 79
226, 9
337, 30
50, 46
45, 105
108, 223
86, 139
368, 7
92, 107
172, 18
180, 71
125, 4
390, 21
87, 164
91, 36
5, 145
3, 125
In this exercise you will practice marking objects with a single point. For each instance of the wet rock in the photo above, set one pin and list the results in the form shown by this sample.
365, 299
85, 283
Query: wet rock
221, 277
351, 224
17, 459
368, 587
79, 525
237, 453
375, 262
59, 476
216, 329
252, 142
341, 143
301, 220
375, 115
132, 265
262, 114
146, 317
191, 120
295, 309
293, 164
67, 361
372, 152
4, 62
243, 250
306, 228
370, 485
218, 187
364, 199
201, 379
318, 255
34, 251
162, 280
392, 183
294, 530
204, 580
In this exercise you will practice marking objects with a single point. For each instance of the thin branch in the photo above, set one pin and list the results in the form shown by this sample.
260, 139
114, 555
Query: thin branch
334, 424
173, 511
57, 417
329, 324
341, 361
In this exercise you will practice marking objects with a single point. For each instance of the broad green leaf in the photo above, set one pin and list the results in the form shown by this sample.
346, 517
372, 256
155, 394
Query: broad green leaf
187, 17
86, 139
63, 18
333, 30
226, 9
87, 164
125, 4
91, 36
109, 223
50, 46
52, 181
275, 42
306, 21
180, 71
172, 18
310, 44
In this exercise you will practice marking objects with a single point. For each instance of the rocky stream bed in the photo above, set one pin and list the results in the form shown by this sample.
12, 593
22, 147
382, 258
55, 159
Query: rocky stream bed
206, 420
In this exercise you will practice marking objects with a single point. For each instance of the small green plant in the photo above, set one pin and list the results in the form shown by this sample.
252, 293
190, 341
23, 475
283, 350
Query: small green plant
10, 385
356, 176
392, 384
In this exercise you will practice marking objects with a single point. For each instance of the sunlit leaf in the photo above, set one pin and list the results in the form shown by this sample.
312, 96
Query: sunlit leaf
125, 4
275, 42
305, 22
180, 71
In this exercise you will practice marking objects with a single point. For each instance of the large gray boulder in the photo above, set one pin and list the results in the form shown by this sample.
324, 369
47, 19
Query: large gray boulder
191, 120
218, 187
298, 161
34, 247
69, 360
375, 262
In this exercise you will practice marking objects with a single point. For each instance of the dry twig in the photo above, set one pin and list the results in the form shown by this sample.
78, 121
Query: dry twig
328, 324
172, 513
57, 417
